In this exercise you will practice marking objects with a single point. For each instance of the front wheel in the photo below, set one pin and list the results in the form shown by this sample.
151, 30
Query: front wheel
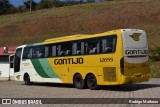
27, 79
92, 82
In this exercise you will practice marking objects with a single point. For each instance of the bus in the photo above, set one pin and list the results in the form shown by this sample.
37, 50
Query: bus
111, 58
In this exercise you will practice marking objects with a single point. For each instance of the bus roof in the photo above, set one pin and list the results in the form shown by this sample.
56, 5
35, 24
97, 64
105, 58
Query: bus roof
65, 37
79, 36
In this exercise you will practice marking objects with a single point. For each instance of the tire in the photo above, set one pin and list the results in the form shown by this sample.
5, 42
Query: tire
92, 82
79, 82
27, 79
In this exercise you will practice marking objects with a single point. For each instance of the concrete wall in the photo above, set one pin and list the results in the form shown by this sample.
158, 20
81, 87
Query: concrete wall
4, 70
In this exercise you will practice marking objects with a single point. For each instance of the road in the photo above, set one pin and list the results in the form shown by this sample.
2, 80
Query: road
14, 89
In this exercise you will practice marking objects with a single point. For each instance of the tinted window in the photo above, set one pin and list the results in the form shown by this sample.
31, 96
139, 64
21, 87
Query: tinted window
96, 45
63, 49
92, 46
34, 52
27, 53
109, 44
54, 50
38, 52
17, 60
78, 48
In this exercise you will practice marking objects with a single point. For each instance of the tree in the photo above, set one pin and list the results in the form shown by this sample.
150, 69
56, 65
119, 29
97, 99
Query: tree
30, 5
22, 8
6, 7
43, 4
49, 4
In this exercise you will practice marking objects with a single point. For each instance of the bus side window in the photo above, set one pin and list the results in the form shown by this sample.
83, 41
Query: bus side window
114, 44
54, 51
98, 47
46, 52
74, 48
33, 52
27, 53
66, 49
86, 48
92, 46
30, 53
40, 52
59, 50
82, 47
49, 51
62, 51
108, 44
78, 48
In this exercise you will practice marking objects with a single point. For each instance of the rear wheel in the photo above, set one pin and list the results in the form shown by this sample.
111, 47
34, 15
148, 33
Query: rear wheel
92, 82
79, 82
27, 79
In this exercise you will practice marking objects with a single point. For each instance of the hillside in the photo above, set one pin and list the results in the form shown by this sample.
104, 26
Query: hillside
89, 18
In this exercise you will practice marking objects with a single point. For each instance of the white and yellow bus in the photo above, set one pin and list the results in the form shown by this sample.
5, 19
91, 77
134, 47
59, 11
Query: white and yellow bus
110, 58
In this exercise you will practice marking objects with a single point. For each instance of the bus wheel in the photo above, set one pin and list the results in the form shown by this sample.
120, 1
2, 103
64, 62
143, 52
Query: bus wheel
92, 82
27, 79
79, 81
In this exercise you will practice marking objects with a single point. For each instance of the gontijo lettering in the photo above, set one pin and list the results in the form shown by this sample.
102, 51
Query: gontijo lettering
136, 52
68, 61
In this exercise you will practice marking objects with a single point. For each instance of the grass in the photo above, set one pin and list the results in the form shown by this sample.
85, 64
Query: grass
155, 69
88, 18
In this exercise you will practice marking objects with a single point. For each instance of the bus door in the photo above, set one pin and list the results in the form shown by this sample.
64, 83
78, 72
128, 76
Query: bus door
11, 70
17, 62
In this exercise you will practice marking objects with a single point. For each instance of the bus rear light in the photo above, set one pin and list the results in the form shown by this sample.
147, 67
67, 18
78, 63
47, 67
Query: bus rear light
122, 65
137, 56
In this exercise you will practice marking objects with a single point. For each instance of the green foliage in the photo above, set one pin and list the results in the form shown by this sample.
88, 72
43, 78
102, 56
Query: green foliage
22, 8
6, 7
90, 1
155, 69
49, 4
42, 5
33, 4
155, 54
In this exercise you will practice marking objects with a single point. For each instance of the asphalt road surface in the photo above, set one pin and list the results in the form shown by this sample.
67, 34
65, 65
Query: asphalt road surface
146, 90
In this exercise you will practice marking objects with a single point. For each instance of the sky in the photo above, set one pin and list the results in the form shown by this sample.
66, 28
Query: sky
20, 2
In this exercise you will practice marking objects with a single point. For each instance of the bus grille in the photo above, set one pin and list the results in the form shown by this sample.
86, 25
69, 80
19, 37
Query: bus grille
109, 74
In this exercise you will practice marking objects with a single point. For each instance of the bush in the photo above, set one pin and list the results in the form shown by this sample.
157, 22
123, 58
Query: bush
155, 54
155, 69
